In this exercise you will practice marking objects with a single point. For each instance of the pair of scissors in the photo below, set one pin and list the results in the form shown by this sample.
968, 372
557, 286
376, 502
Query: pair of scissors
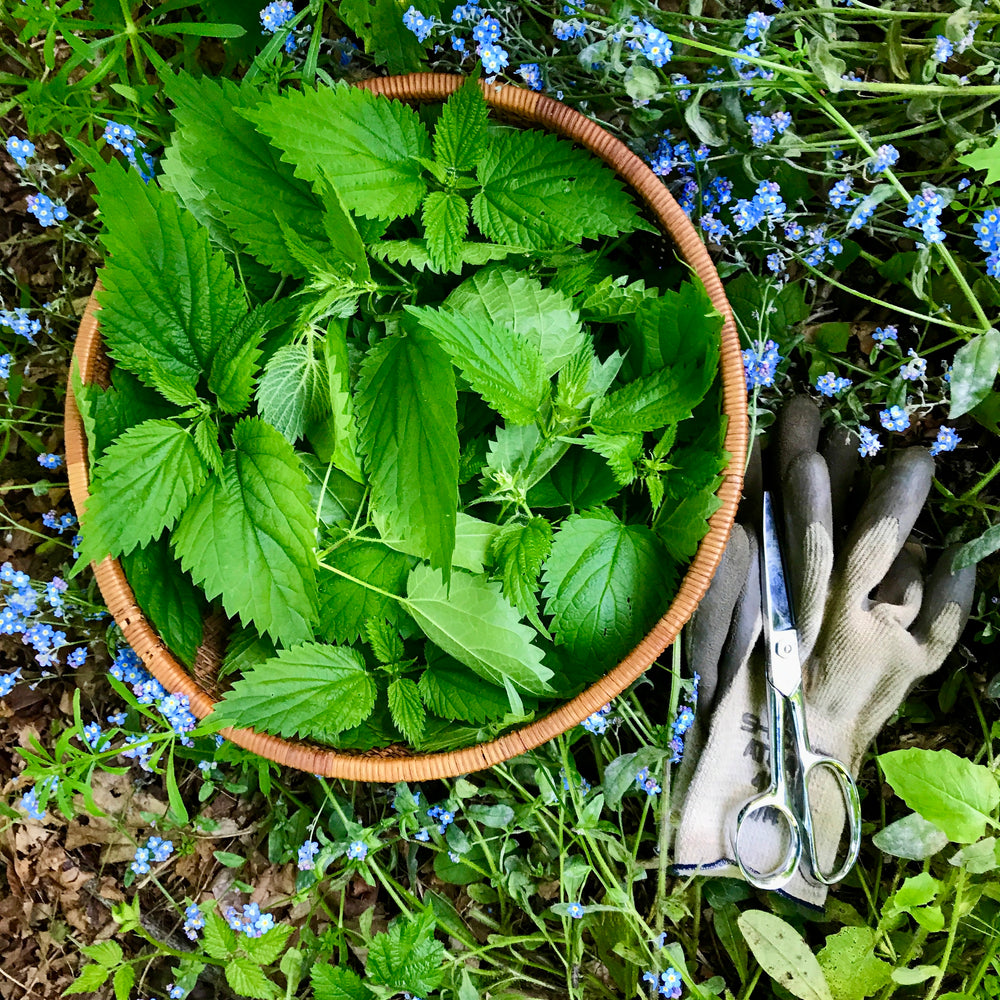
789, 790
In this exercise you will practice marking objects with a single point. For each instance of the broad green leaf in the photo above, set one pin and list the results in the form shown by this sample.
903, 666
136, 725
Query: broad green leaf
293, 390
459, 136
407, 709
913, 975
206, 440
580, 479
504, 367
334, 495
451, 691
978, 858
910, 837
407, 956
141, 485
620, 451
228, 158
343, 239
606, 584
472, 539
416, 254
106, 953
473, 622
914, 897
269, 946
509, 298
974, 372
987, 158
248, 536
366, 145
784, 955
405, 405
245, 649
849, 964
540, 192
219, 940
310, 690
379, 24
518, 551
648, 403
682, 524
947, 790
247, 979
123, 982
330, 982
91, 978
384, 639
345, 602
614, 298
167, 596
446, 221
681, 328
169, 300
977, 549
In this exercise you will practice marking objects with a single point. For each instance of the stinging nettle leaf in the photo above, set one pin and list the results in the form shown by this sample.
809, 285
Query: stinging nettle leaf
461, 130
141, 485
366, 145
379, 24
518, 551
473, 622
407, 709
248, 536
446, 221
505, 368
293, 390
416, 254
452, 691
407, 418
311, 691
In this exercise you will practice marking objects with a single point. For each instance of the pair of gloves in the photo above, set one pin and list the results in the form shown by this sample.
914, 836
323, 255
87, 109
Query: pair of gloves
870, 625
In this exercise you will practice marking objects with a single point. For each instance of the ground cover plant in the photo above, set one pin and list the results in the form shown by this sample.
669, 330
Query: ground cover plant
852, 215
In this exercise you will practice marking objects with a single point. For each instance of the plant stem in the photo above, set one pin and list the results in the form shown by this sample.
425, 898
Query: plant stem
956, 908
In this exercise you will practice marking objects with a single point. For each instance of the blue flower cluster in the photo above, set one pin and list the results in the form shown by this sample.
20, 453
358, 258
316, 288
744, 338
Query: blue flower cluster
175, 708
573, 28
58, 523
885, 156
923, 213
531, 74
45, 210
194, 921
679, 155
830, 384
760, 366
307, 855
597, 722
767, 205
250, 922
357, 850
894, 418
156, 850
31, 800
943, 49
47, 460
744, 59
22, 325
124, 139
277, 14
840, 194
757, 24
764, 128
445, 817
680, 726
176, 992
646, 783
869, 445
667, 984
883, 334
415, 21
915, 368
5, 363
21, 150
946, 440
92, 734
987, 230
651, 42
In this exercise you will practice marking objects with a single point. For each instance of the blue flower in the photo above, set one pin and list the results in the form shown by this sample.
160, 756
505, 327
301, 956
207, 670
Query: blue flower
885, 156
416, 22
987, 230
44, 210
494, 58
597, 722
914, 369
357, 850
964, 183
684, 720
775, 262
894, 418
307, 855
5, 360
870, 444
487, 31
883, 334
946, 440
176, 992
762, 130
840, 194
49, 461
423, 834
159, 848
531, 74
141, 864
573, 28
29, 803
91, 734
829, 384
656, 47
781, 120
760, 366
864, 211
9, 681
923, 212
943, 49
275, 15
21, 150
680, 80
576, 910
194, 921
647, 784
714, 228
794, 232
116, 718
757, 24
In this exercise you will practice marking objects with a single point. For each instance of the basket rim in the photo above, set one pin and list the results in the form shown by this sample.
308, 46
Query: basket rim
536, 109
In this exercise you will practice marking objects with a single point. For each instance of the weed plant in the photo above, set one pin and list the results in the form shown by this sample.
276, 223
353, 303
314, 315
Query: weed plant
841, 161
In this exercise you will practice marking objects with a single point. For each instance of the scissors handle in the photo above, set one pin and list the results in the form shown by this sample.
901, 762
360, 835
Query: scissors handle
852, 804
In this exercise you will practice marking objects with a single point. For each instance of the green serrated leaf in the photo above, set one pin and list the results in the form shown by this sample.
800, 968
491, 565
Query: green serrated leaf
208, 120
150, 472
310, 690
106, 953
451, 691
406, 411
379, 23
461, 130
646, 404
446, 221
219, 940
244, 649
987, 159
518, 551
269, 946
247, 979
383, 637
474, 623
91, 978
407, 709
169, 298
621, 451
123, 982
613, 299
167, 596
206, 439
293, 390
338, 982
541, 192
472, 538
505, 368
415, 253
366, 145
334, 495
580, 480
947, 790
234, 365
345, 601
345, 450
256, 516
407, 956
509, 298
684, 523
849, 964
606, 584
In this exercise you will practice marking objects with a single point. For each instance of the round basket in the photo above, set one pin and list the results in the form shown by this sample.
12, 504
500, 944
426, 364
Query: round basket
527, 107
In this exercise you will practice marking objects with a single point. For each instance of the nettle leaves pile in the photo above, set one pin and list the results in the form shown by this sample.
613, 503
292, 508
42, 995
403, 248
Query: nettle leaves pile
379, 390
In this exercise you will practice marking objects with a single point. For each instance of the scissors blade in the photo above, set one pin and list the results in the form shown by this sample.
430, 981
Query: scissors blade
777, 602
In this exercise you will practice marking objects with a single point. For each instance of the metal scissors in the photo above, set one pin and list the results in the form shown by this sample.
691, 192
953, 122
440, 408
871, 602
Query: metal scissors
789, 791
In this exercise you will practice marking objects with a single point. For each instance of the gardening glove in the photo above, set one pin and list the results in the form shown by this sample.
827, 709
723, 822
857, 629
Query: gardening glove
870, 626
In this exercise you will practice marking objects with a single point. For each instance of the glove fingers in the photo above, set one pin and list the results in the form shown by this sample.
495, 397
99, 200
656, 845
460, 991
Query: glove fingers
901, 593
747, 622
946, 607
809, 542
841, 456
885, 521
709, 628
798, 430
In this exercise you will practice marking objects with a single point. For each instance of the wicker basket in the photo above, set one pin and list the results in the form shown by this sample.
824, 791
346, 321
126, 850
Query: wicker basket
510, 103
